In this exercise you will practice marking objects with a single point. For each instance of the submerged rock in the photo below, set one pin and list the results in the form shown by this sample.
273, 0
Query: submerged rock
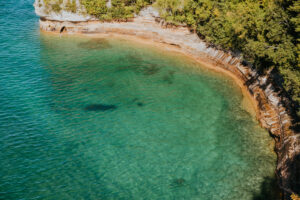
140, 68
169, 77
95, 44
178, 182
150, 69
140, 104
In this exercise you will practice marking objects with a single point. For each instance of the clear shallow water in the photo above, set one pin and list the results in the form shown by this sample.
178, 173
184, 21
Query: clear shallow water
84, 118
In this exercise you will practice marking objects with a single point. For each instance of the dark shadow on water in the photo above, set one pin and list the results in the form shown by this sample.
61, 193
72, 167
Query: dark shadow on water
295, 174
292, 169
146, 69
140, 104
100, 107
95, 44
169, 77
269, 190
135, 99
135, 58
150, 69
178, 182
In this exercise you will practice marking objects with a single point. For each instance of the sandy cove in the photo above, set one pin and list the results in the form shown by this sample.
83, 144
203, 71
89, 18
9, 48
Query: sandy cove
271, 108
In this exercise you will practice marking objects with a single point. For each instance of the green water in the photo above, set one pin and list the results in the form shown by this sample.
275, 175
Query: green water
85, 118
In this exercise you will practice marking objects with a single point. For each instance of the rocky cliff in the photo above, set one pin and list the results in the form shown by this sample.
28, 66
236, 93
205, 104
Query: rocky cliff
43, 10
273, 110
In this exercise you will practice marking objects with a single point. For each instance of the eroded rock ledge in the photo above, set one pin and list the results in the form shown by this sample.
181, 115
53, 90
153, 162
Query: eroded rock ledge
273, 111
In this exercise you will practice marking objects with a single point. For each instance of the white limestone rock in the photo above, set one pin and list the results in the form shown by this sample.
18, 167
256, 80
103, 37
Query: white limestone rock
63, 15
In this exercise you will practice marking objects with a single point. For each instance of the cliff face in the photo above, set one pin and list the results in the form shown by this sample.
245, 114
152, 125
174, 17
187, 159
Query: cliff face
273, 111
44, 11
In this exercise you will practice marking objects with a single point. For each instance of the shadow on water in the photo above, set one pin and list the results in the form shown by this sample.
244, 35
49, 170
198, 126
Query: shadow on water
150, 69
269, 190
100, 107
293, 178
135, 58
178, 182
146, 69
138, 103
95, 44
139, 66
169, 77
295, 174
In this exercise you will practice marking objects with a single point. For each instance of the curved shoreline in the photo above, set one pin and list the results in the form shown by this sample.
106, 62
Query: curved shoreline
268, 104
273, 118
251, 102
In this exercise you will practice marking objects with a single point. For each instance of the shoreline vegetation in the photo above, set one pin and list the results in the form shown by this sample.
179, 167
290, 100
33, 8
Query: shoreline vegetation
264, 33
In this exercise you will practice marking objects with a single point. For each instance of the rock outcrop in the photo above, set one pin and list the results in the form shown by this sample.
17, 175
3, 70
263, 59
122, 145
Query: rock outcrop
42, 10
273, 111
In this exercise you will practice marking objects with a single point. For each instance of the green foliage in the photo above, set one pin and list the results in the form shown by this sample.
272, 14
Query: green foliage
295, 10
174, 11
95, 7
71, 6
119, 9
56, 7
53, 5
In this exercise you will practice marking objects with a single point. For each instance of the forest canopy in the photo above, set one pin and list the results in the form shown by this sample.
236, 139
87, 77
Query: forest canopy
265, 32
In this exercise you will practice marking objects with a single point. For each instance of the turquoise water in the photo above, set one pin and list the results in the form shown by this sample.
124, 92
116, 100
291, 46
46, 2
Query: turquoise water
84, 118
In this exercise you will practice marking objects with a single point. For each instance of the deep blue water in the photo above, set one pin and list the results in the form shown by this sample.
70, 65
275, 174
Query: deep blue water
86, 118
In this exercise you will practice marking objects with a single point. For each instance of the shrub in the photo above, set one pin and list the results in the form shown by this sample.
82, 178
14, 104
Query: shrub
71, 6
